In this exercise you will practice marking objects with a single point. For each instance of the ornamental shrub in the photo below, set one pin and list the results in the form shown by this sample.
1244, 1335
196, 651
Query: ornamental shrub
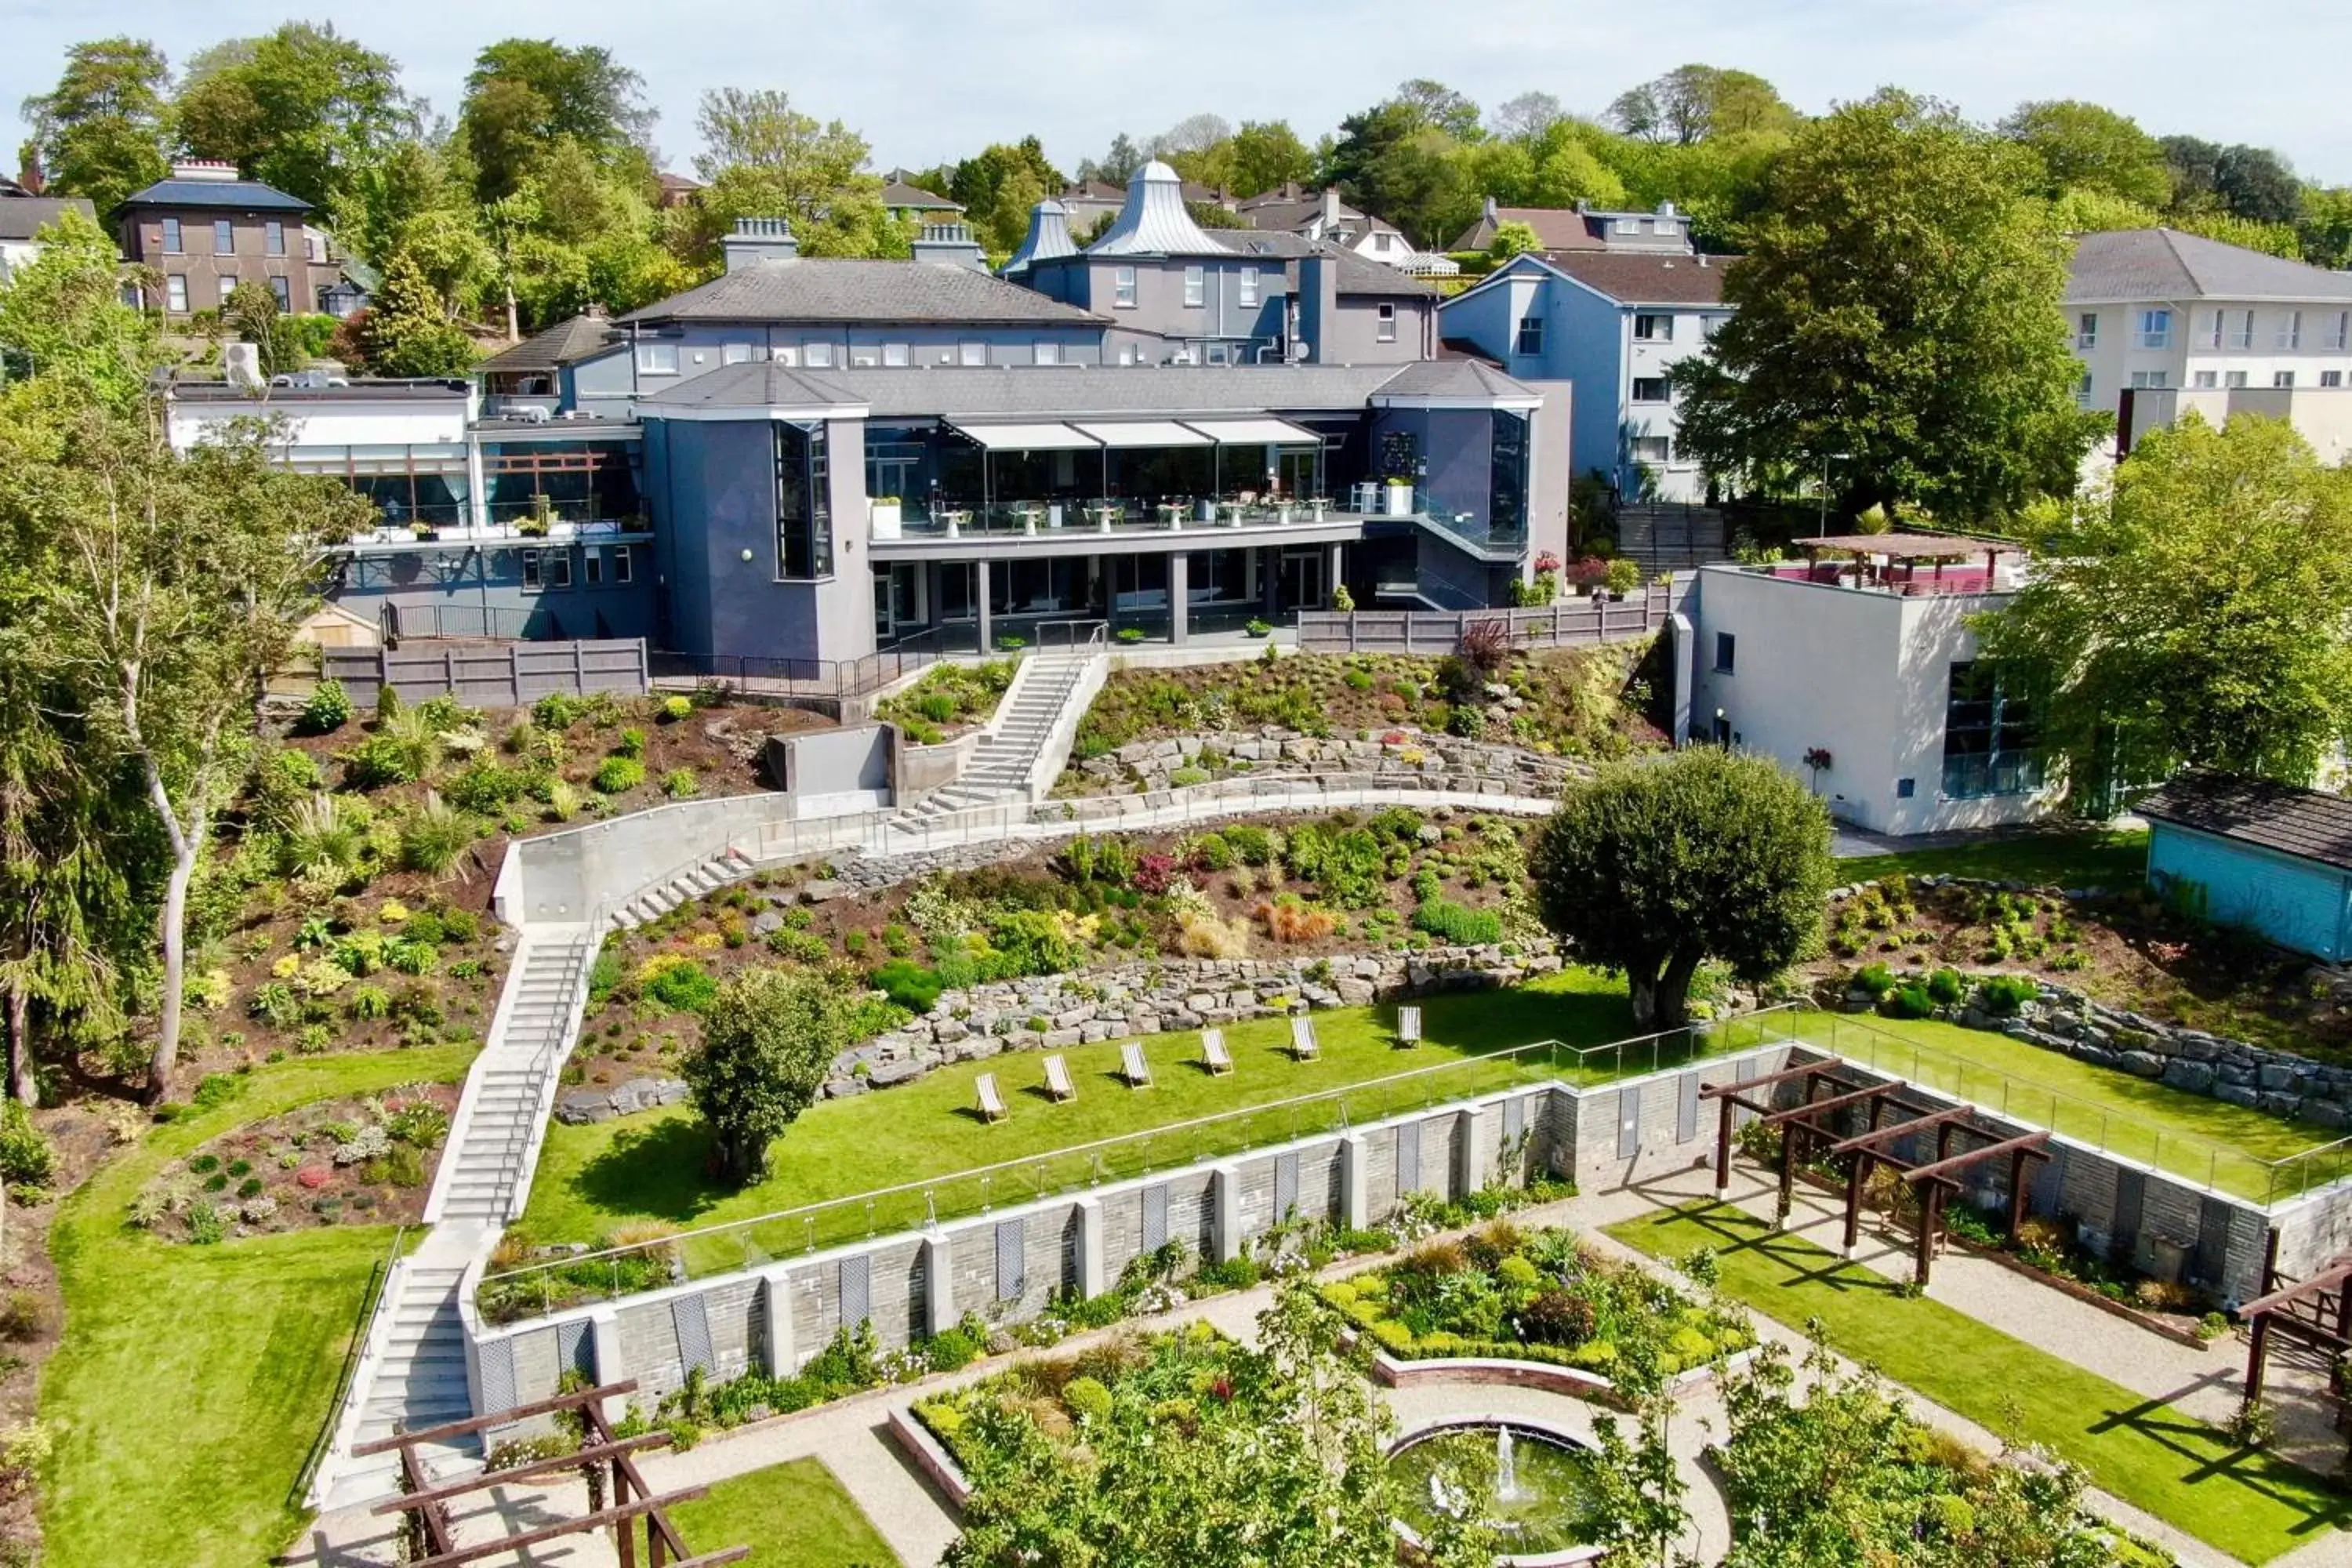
685, 987
768, 1041
617, 774
1877, 979
1946, 986
328, 709
1909, 1001
1456, 926
911, 985
2005, 994
674, 709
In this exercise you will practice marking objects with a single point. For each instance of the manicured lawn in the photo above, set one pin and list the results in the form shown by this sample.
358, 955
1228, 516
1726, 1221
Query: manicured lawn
792, 1516
2207, 1140
192, 1381
650, 1167
2064, 857
2181, 1470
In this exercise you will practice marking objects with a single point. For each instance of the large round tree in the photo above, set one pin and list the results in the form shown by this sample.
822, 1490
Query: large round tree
1654, 868
768, 1040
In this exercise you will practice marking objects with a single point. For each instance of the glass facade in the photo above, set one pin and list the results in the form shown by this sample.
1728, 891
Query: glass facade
410, 484
803, 502
1507, 490
574, 480
1989, 736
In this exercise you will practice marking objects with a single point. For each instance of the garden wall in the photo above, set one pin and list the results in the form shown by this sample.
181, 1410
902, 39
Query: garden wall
1424, 758
1007, 1265
512, 675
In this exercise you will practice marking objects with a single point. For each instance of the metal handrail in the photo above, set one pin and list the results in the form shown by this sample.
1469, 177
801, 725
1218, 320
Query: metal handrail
1098, 636
1093, 1151
375, 1303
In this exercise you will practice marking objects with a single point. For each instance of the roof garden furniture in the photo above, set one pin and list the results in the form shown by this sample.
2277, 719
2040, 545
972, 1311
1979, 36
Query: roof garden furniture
1132, 1066
991, 1104
1214, 1054
1057, 1078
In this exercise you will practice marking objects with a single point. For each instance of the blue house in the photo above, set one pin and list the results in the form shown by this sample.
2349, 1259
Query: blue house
2270, 858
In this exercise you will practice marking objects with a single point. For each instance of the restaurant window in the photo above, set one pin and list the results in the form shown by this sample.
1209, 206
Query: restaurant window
576, 480
1989, 736
803, 502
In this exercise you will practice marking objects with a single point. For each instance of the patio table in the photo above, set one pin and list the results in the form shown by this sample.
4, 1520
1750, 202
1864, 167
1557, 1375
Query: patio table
1173, 514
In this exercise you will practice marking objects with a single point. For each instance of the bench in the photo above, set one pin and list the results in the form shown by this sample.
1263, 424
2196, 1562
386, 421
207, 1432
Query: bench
1408, 1025
1132, 1063
1303, 1044
1057, 1078
1213, 1055
991, 1104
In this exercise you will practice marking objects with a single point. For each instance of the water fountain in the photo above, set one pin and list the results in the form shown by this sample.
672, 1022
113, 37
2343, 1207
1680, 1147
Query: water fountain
1539, 1493
1506, 1470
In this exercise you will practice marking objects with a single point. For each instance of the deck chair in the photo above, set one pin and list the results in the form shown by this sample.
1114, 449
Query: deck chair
1131, 1064
1303, 1044
1213, 1055
1057, 1078
991, 1104
1408, 1025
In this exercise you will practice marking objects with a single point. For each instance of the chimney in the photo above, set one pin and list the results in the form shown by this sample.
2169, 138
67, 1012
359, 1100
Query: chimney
1490, 209
949, 244
1319, 305
758, 239
1665, 209
202, 169
595, 312
1330, 207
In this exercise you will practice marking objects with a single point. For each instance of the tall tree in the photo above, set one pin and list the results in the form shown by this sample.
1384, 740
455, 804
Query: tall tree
1692, 103
1653, 868
63, 311
1395, 162
768, 1041
1264, 155
300, 108
1000, 184
2194, 611
252, 314
1526, 117
101, 132
1895, 308
1116, 165
2084, 146
1434, 104
765, 159
408, 331
2250, 183
524, 95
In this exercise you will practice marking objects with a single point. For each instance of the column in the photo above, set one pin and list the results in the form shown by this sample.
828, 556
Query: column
776, 1313
1338, 574
1470, 1171
1269, 586
612, 1365
1091, 1237
938, 1283
1226, 1183
1179, 588
1355, 1181
980, 574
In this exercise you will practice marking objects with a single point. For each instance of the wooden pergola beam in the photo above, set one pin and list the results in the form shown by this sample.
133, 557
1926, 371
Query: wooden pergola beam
2334, 1273
1714, 1090
1834, 1102
481, 1422
2029, 1145
1896, 1130
619, 1514
570, 1461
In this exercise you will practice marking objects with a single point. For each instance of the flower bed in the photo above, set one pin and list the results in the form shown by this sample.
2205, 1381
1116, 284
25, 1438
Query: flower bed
947, 699
1541, 1297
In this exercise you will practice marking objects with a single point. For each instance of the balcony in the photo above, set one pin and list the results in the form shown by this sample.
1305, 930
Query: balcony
921, 530
434, 534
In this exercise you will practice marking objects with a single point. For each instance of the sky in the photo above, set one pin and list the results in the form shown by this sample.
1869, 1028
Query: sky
928, 80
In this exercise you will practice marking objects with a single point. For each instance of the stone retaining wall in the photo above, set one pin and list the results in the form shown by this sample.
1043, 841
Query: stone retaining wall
1151, 765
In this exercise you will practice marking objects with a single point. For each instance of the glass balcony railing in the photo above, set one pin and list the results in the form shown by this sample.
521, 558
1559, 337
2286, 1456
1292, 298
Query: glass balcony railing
1039, 519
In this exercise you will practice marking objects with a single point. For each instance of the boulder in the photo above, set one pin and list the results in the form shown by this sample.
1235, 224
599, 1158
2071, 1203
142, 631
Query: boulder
824, 890
2189, 1075
888, 1075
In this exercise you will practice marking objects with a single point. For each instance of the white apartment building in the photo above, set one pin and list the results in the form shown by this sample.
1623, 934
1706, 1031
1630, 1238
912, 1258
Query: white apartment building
2156, 309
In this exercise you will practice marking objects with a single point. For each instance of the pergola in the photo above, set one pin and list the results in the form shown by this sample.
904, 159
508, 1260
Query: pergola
425, 1507
2316, 1312
1807, 1128
1907, 550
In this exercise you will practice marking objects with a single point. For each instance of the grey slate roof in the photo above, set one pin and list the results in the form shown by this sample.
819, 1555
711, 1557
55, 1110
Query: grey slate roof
1462, 377
558, 346
22, 217
898, 195
2299, 822
1355, 274
1631, 278
2161, 264
838, 291
1037, 391
239, 196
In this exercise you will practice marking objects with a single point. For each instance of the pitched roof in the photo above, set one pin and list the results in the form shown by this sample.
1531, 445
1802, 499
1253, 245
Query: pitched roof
899, 193
838, 289
1556, 228
241, 195
1153, 220
558, 346
1455, 377
670, 182
22, 217
1631, 279
1037, 391
1355, 273
2166, 264
2299, 822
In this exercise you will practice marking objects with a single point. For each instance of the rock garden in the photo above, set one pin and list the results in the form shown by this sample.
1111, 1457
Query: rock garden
947, 699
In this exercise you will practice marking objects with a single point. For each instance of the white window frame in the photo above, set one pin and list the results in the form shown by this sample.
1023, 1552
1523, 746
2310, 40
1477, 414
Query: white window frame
559, 568
2149, 380
896, 356
1044, 353
1627, 226
2338, 334
175, 292
816, 355
2331, 378
736, 354
971, 355
656, 359
531, 576
1663, 459
2155, 329
2206, 380
2221, 328
2283, 380
1528, 340
623, 564
1665, 393
2083, 391
1196, 286
1249, 287
591, 568
865, 356
2234, 378
1387, 332
1122, 288
2242, 336
2086, 330
1661, 324
2290, 332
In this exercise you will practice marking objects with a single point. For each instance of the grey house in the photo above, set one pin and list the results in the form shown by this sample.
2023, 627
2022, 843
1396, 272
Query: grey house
1177, 293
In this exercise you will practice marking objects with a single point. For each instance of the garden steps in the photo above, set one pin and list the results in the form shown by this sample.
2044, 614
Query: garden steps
1000, 767
729, 866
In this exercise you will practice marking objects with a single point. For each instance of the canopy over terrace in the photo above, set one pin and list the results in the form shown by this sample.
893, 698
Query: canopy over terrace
1893, 559
1166, 461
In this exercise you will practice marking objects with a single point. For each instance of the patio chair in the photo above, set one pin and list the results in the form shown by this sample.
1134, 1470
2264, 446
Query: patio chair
1303, 1044
1213, 1055
1057, 1080
1408, 1025
1131, 1064
991, 1104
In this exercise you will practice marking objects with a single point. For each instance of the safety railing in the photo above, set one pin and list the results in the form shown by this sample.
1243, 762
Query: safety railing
2111, 1129
760, 675
375, 1305
536, 1289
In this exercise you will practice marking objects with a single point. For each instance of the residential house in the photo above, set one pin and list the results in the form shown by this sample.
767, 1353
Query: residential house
2156, 311
1322, 215
2263, 856
1090, 204
532, 373
23, 217
203, 231
1615, 324
1859, 671
904, 200
1174, 292
1560, 230
677, 190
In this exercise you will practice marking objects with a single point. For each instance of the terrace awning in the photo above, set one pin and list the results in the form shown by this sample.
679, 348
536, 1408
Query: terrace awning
1256, 432
1146, 432
1027, 438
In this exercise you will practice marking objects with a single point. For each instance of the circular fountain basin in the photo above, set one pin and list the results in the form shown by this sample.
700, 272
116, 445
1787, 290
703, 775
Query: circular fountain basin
1548, 1520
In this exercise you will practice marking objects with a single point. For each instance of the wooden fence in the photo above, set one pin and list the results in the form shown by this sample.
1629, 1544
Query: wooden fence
1571, 623
504, 675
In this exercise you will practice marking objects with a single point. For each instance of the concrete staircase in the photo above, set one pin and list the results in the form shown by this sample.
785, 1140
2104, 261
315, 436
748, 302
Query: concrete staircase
1000, 768
730, 865
1671, 538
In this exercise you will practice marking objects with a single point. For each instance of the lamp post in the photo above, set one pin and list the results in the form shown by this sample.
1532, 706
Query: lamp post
1822, 527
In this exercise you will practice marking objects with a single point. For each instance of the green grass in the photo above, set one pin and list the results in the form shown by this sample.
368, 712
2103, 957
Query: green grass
2152, 1456
2208, 1140
650, 1167
792, 1515
192, 1381
2064, 857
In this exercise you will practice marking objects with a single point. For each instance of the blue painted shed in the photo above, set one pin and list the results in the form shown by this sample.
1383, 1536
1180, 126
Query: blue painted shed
2270, 858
